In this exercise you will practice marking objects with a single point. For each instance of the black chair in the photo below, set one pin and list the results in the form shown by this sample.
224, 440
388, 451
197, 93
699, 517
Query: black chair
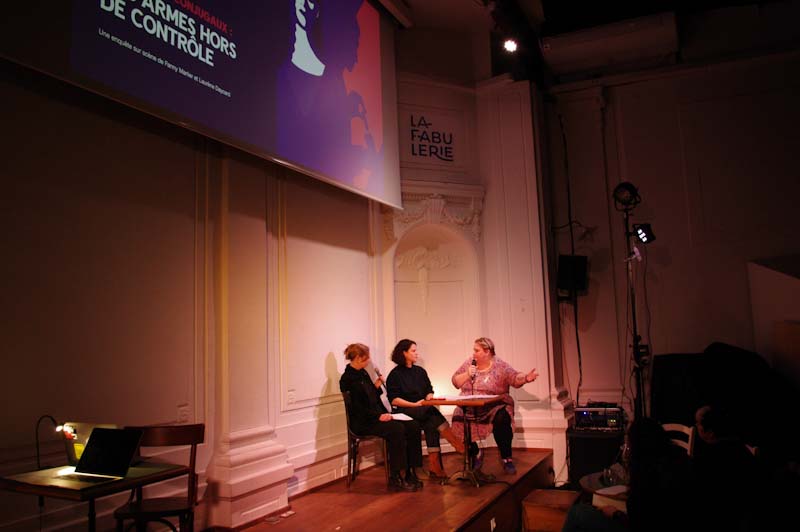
141, 511
354, 440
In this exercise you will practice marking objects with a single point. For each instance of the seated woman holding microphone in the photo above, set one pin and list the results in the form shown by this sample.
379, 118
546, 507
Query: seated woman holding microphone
408, 385
485, 374
368, 416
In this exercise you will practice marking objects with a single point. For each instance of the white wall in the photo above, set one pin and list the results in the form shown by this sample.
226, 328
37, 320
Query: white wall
102, 281
712, 151
326, 279
437, 300
155, 278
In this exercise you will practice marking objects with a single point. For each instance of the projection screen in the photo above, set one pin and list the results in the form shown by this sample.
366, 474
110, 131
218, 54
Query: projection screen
309, 85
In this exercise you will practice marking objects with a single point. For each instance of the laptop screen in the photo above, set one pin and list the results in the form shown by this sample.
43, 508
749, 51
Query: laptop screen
109, 451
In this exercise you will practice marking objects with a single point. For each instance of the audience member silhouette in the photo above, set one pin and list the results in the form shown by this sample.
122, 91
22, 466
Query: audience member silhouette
660, 488
726, 471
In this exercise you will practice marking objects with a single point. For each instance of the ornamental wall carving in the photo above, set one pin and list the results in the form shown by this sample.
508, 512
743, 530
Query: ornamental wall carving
457, 206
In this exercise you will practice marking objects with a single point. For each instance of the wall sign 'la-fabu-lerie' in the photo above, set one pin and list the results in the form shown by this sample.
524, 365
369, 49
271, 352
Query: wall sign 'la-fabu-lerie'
428, 141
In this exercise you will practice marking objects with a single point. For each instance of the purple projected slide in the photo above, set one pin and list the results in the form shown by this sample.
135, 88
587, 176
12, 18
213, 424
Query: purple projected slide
296, 80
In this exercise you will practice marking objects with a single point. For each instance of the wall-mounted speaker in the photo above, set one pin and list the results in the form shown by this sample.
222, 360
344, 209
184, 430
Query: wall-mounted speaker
572, 274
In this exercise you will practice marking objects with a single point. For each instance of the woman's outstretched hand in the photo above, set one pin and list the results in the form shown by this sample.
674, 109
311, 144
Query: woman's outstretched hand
385, 417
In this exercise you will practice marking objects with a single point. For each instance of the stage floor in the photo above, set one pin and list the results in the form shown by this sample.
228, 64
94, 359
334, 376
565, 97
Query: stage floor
367, 505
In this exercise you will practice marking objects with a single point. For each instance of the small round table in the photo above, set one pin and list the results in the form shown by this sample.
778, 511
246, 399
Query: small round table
602, 492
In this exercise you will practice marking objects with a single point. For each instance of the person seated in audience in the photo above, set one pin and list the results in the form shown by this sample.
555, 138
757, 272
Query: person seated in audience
727, 471
408, 385
660, 488
485, 374
368, 416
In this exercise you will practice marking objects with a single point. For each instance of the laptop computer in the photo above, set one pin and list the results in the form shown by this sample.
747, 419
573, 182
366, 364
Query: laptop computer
107, 455
76, 434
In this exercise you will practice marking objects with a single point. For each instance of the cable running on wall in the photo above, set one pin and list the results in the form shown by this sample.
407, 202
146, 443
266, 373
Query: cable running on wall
573, 296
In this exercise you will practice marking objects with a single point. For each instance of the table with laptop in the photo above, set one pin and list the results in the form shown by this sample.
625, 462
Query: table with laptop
104, 468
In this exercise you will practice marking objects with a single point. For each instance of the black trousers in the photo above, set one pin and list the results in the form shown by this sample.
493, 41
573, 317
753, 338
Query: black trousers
402, 439
501, 429
430, 419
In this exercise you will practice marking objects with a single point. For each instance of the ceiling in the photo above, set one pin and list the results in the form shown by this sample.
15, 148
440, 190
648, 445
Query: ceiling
548, 17
530, 21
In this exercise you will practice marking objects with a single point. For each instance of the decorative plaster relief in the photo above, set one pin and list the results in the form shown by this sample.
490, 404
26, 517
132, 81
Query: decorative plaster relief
423, 260
457, 206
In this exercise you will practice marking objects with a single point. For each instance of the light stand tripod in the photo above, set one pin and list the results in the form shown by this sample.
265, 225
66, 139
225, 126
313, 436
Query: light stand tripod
626, 198
640, 351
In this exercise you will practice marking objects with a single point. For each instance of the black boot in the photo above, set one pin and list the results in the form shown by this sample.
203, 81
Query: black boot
396, 483
411, 478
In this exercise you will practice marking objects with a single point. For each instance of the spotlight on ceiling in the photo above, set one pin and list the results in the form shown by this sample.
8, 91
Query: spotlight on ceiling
644, 233
510, 45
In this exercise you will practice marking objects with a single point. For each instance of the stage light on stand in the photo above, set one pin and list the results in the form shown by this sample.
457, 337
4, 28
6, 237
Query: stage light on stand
626, 197
510, 45
644, 233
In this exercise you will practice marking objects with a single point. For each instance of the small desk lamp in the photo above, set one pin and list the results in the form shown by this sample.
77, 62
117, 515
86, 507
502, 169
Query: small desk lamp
58, 428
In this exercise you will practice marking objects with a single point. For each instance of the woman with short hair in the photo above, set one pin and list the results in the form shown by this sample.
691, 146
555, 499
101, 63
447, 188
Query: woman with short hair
368, 416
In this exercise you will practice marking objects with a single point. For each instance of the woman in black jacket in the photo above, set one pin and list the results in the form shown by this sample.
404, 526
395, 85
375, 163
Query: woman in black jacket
369, 417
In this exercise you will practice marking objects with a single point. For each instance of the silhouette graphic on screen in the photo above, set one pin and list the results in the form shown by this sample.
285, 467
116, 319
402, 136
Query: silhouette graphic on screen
317, 112
303, 56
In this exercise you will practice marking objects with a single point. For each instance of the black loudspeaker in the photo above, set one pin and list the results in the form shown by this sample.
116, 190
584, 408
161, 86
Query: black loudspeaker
592, 450
572, 274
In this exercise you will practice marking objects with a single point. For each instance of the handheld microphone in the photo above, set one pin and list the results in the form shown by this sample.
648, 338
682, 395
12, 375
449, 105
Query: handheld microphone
474, 363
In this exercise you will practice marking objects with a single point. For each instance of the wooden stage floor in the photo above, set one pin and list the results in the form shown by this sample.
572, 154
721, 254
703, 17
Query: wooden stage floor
368, 505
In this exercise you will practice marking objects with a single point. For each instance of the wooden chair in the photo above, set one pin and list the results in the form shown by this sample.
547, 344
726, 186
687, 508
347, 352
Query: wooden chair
141, 511
681, 435
354, 440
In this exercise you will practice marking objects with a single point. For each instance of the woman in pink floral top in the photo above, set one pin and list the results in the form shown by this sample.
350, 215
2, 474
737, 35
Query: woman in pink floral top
485, 374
